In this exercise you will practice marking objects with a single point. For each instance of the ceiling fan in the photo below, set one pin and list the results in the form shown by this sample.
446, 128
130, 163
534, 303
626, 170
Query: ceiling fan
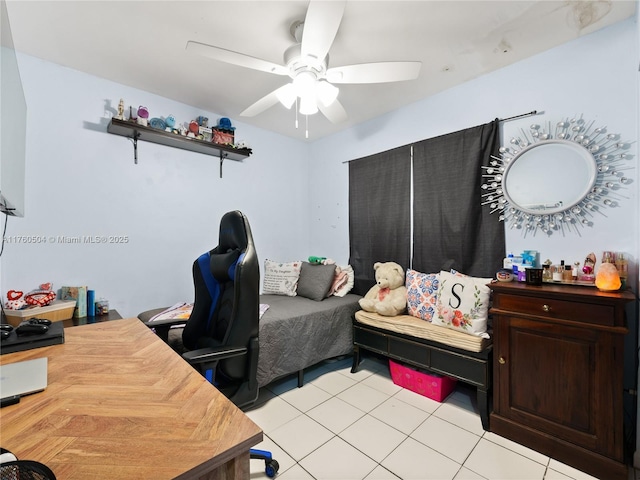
307, 64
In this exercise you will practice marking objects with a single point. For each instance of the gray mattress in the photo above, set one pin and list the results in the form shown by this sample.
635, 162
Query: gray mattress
296, 332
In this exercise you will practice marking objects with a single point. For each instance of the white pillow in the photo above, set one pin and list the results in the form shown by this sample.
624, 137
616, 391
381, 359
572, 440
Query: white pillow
281, 278
342, 282
463, 303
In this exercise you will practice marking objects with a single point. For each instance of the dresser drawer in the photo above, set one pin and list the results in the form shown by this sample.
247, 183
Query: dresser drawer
557, 309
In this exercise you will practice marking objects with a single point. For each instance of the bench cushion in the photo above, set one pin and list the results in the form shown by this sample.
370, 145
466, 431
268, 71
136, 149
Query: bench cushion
415, 327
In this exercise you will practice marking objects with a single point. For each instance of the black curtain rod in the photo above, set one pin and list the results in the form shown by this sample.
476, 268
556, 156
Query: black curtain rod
534, 112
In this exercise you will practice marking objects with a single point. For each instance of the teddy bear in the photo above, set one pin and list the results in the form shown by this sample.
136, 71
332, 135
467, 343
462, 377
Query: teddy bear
388, 296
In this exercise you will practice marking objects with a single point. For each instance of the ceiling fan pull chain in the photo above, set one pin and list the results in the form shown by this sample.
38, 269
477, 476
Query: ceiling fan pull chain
306, 130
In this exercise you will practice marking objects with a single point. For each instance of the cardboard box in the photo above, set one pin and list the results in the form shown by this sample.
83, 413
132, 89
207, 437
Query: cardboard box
436, 387
57, 311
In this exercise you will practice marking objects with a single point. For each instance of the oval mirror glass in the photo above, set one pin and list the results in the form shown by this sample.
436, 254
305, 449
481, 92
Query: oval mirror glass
549, 177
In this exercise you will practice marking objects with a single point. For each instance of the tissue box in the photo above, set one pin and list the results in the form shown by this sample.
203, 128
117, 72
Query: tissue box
436, 387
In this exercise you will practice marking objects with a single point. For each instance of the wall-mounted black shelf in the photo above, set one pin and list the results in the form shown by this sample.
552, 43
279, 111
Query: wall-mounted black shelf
137, 132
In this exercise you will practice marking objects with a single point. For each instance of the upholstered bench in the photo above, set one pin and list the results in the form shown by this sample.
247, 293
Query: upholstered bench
434, 348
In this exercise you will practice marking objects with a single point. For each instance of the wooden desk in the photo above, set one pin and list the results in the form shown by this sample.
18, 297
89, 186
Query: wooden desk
74, 322
121, 405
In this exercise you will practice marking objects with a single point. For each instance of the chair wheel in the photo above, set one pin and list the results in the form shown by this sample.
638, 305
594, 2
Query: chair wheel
271, 469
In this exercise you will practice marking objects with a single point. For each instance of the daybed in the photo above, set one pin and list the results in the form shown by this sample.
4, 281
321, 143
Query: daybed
430, 347
297, 332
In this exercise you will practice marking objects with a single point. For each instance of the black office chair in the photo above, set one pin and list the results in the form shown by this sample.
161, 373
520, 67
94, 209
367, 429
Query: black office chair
221, 335
13, 469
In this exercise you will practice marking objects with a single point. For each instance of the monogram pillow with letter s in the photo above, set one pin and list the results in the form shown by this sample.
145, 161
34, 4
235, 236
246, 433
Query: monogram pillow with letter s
463, 303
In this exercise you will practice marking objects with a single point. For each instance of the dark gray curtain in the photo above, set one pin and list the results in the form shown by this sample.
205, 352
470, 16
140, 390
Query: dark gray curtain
379, 213
451, 228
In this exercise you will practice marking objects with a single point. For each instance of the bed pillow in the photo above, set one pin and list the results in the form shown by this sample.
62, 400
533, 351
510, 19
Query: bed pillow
342, 281
315, 281
463, 303
422, 292
281, 278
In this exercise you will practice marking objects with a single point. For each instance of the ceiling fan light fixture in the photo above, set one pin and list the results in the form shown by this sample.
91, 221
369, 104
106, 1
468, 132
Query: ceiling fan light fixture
308, 105
327, 93
304, 84
286, 95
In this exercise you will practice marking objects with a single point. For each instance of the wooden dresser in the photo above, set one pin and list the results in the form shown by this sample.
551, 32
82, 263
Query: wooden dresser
558, 373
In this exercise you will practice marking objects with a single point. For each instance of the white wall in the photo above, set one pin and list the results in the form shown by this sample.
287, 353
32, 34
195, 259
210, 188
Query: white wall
595, 76
83, 181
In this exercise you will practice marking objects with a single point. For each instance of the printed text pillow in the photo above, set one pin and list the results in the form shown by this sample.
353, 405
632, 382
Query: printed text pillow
422, 290
281, 278
463, 303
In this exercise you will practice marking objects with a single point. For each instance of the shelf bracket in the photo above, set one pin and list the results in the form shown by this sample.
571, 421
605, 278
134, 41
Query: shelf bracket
135, 137
223, 155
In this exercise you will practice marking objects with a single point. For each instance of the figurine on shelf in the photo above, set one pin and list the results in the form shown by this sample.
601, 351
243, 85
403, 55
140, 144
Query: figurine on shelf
143, 116
133, 116
120, 115
170, 122
203, 121
193, 129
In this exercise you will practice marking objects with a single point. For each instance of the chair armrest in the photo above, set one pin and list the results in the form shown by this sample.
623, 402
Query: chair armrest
213, 354
170, 322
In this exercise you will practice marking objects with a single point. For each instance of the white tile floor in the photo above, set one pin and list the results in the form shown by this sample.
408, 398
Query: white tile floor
345, 426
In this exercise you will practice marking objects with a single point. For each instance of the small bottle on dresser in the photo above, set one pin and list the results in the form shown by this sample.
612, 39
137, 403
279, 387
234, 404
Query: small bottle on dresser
567, 275
547, 275
558, 272
576, 270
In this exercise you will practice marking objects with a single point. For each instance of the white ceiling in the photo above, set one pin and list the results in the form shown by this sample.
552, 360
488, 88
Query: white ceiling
142, 44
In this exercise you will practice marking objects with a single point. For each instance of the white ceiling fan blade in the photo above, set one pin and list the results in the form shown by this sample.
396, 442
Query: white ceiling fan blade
335, 112
235, 58
320, 27
380, 72
265, 102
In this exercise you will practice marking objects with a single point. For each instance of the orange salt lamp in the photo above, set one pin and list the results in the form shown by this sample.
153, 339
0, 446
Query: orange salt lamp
608, 278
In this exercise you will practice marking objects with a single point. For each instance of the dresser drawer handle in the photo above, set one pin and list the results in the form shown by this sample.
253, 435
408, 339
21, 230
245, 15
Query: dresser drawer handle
546, 308
501, 360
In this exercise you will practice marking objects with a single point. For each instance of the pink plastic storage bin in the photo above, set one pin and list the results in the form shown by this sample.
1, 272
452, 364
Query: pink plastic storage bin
435, 387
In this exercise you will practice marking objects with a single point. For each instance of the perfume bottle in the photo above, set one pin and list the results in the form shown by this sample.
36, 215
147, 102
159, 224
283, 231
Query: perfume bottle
576, 270
567, 275
547, 275
623, 269
558, 272
608, 257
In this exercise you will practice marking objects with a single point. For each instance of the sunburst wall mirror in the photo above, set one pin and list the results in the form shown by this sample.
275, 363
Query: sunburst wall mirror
557, 178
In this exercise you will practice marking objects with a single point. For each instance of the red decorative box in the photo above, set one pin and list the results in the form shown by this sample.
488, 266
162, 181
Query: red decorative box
436, 387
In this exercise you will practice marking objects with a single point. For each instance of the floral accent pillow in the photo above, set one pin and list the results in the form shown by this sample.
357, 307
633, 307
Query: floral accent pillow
422, 290
342, 282
463, 303
281, 278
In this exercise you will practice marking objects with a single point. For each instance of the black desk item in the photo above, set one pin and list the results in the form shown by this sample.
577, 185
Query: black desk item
15, 343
